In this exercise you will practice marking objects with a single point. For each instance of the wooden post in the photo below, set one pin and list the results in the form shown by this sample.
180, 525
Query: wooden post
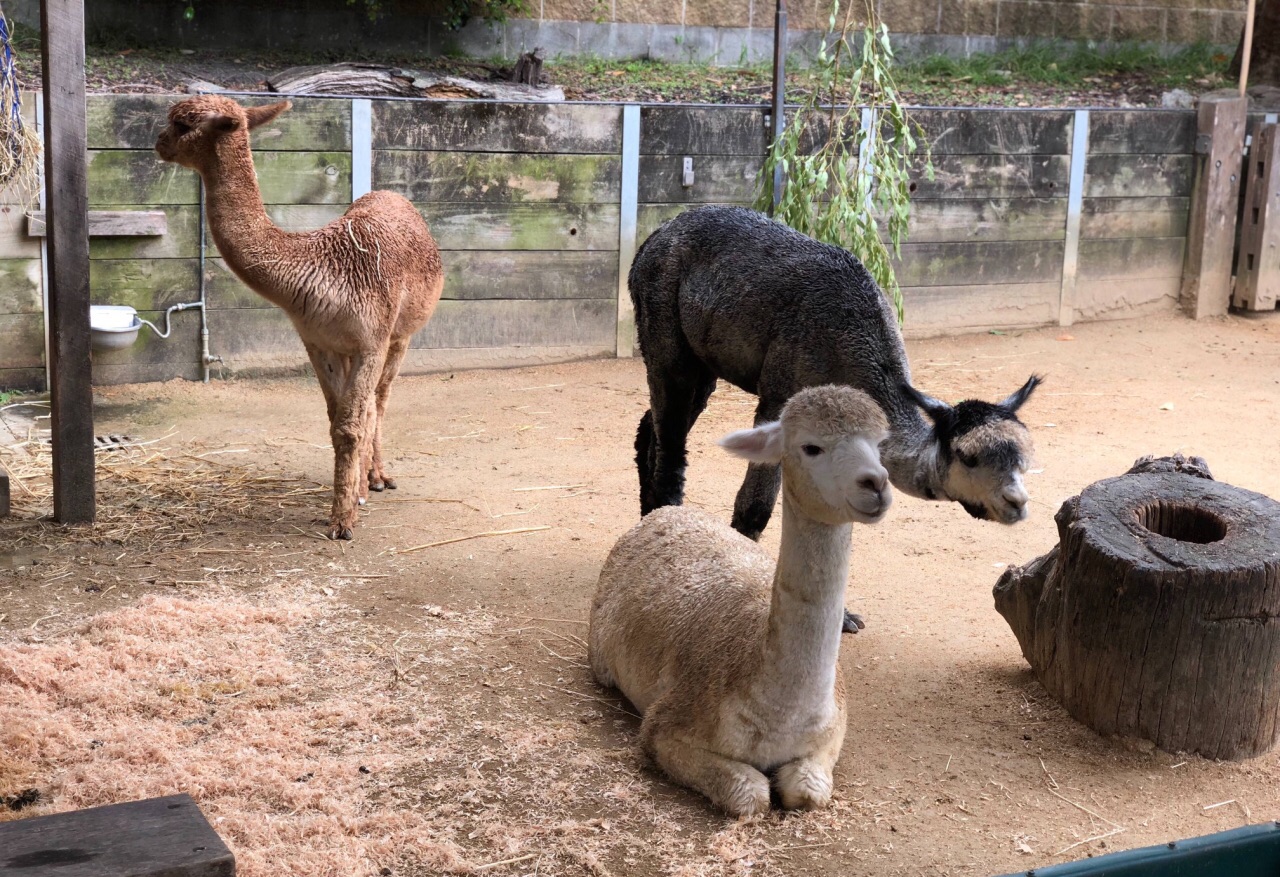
1206, 273
1258, 266
67, 218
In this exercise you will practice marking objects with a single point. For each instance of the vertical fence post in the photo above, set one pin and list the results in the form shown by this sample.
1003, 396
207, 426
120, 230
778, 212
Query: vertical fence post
627, 226
1075, 207
361, 147
67, 236
1206, 273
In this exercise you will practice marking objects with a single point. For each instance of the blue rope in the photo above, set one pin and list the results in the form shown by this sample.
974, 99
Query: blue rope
9, 77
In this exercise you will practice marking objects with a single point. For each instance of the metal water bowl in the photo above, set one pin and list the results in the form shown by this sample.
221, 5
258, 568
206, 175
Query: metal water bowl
113, 327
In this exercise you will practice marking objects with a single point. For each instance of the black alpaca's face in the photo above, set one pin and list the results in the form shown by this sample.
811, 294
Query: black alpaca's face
984, 453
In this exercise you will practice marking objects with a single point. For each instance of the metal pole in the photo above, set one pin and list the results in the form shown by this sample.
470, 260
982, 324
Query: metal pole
779, 87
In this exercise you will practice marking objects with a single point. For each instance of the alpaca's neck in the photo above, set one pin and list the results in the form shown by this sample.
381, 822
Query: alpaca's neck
254, 248
803, 640
910, 454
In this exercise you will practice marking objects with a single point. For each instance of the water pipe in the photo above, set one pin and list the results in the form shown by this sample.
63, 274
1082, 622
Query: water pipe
205, 358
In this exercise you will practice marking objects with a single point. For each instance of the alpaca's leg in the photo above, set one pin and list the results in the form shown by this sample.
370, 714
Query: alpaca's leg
754, 504
645, 451
804, 784
378, 478
329, 374
349, 433
675, 401
734, 786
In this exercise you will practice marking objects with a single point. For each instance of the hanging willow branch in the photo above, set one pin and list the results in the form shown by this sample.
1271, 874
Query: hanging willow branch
840, 174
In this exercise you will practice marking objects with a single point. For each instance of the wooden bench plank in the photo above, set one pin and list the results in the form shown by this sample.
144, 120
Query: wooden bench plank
111, 223
159, 836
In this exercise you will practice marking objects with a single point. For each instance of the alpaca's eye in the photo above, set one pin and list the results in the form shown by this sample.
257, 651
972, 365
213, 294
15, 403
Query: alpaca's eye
811, 450
968, 461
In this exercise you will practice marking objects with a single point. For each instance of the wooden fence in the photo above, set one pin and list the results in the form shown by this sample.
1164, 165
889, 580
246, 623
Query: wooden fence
1033, 217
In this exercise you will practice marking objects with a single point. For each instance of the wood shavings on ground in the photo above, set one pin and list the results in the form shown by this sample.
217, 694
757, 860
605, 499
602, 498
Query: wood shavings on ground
314, 750
152, 498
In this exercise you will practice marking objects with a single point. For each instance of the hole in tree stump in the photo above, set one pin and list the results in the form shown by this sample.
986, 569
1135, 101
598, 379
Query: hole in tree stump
1185, 523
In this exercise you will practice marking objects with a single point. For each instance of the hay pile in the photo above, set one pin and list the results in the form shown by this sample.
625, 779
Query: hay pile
156, 495
316, 748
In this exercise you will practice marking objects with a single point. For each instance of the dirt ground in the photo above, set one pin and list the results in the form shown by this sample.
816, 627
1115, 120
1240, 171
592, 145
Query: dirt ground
956, 761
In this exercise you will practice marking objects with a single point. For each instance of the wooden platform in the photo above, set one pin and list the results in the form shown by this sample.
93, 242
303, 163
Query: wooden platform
158, 837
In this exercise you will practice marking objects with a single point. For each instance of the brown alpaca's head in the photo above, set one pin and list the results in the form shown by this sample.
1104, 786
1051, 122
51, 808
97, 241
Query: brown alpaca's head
198, 124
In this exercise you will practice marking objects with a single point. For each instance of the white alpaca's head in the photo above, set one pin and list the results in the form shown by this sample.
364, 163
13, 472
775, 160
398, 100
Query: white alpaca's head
828, 444
983, 452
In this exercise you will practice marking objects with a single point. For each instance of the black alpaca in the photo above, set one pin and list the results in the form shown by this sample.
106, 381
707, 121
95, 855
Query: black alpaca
724, 292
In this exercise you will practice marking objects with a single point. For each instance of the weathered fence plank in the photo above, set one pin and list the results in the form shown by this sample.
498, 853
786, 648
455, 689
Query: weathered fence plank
702, 131
1130, 297
545, 226
21, 340
1131, 259
1138, 176
942, 309
993, 176
25, 379
1135, 217
134, 121
995, 132
954, 264
135, 177
1206, 276
1151, 132
14, 243
505, 323
717, 179
528, 275
442, 126
498, 177
20, 286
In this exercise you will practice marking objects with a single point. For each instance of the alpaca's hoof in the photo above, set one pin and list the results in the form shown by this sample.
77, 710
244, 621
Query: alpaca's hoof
388, 483
852, 622
341, 531
377, 486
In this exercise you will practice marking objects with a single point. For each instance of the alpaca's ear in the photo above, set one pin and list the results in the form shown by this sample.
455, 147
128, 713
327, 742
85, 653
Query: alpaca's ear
760, 445
1014, 402
939, 412
262, 115
218, 123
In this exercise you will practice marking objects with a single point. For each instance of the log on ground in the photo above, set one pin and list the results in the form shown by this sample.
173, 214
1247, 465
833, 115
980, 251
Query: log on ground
1157, 615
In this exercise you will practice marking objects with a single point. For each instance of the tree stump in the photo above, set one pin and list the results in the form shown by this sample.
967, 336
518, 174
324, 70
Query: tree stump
1157, 615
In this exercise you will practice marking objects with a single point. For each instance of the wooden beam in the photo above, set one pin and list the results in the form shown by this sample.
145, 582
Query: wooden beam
158, 837
1206, 275
111, 223
67, 206
4, 495
1258, 265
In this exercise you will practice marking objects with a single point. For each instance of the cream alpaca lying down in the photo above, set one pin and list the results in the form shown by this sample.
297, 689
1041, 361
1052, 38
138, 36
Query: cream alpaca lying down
733, 662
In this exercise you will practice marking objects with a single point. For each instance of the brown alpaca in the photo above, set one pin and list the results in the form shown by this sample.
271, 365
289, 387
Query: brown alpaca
356, 290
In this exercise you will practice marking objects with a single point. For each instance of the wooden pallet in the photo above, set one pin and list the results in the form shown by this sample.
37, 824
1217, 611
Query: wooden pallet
159, 836
1258, 264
